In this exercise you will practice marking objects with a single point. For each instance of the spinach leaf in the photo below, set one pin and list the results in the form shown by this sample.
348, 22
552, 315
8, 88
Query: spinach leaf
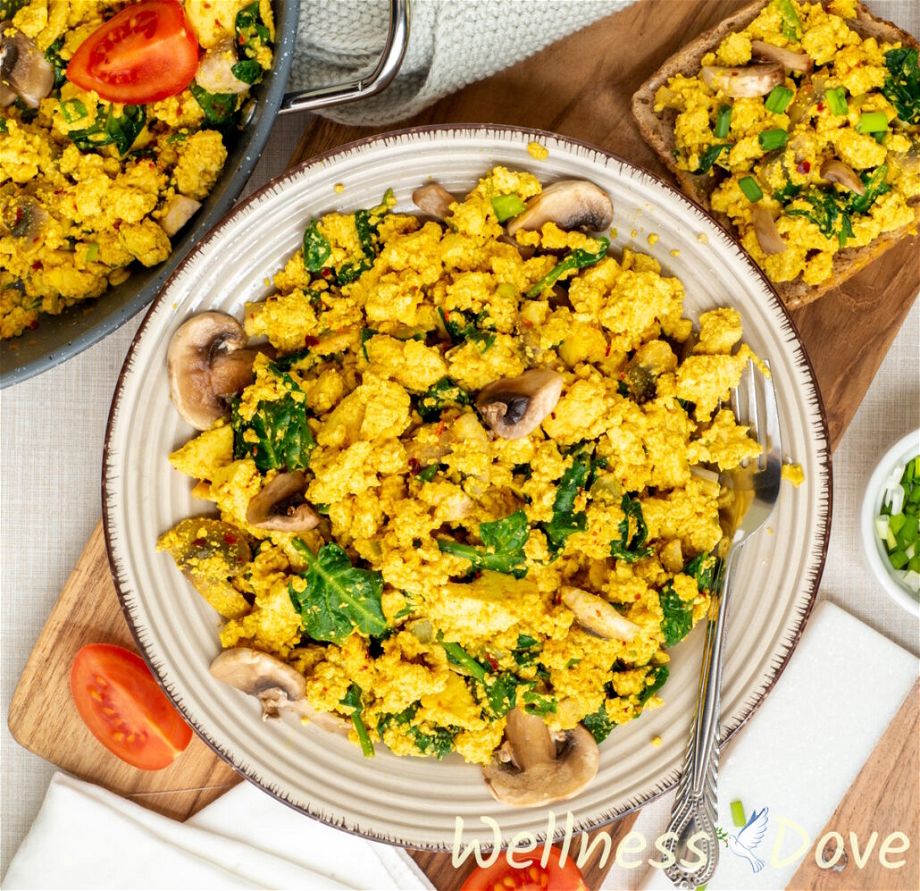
249, 71
500, 689
824, 211
3, 126
287, 362
338, 597
539, 703
565, 519
427, 474
316, 248
252, 33
902, 86
219, 108
9, 8
598, 723
677, 619
787, 193
658, 675
503, 546
53, 55
630, 547
111, 129
283, 439
439, 742
352, 699
577, 259
875, 186
463, 325
705, 569
526, 650
444, 394
709, 157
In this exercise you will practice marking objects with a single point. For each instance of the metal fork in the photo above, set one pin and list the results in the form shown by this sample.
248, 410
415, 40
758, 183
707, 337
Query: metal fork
755, 488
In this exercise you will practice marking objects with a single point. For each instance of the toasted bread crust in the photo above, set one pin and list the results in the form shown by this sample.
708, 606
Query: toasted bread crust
658, 132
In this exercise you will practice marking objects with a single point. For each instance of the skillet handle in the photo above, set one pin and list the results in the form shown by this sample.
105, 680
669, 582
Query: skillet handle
377, 81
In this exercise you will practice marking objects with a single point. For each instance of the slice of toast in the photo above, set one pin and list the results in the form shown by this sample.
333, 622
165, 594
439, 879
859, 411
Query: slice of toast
658, 132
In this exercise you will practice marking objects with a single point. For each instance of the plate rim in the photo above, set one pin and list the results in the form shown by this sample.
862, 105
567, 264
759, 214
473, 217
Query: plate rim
802, 360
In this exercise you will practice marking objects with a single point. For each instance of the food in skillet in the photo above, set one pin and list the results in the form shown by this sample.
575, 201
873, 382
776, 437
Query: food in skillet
798, 124
466, 491
114, 120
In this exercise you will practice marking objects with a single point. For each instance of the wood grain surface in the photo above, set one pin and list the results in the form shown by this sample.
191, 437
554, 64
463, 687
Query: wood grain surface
580, 87
884, 799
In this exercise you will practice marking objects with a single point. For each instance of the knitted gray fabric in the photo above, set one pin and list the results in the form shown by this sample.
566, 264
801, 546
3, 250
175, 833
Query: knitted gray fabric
452, 43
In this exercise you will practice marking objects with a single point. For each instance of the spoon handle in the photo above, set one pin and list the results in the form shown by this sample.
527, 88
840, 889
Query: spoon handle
692, 829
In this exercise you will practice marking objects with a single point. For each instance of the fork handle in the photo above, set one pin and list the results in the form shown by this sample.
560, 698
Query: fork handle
694, 808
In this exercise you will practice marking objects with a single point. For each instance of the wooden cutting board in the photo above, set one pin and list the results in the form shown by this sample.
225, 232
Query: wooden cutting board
580, 87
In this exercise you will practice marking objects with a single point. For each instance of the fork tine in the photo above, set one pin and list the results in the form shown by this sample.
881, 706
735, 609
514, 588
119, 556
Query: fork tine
771, 436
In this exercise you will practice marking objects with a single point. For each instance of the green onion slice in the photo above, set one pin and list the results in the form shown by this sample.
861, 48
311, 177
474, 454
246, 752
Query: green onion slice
738, 814
723, 122
872, 122
772, 139
837, 100
751, 190
507, 206
778, 100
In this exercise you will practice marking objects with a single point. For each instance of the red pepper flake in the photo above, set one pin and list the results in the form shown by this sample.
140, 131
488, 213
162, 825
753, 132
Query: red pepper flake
326, 272
310, 341
820, 106
38, 265
441, 426
200, 542
414, 466
19, 214
803, 167
230, 538
493, 662
33, 324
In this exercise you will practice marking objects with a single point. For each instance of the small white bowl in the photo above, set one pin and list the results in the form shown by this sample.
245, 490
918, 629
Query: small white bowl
901, 452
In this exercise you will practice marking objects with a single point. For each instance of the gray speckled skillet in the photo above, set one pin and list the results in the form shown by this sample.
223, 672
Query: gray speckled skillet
57, 338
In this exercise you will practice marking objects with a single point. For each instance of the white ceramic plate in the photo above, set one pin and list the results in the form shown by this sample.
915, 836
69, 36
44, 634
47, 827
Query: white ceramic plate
414, 801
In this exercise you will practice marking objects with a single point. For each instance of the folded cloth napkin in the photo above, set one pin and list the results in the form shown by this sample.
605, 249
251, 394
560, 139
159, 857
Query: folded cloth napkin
87, 837
792, 765
452, 43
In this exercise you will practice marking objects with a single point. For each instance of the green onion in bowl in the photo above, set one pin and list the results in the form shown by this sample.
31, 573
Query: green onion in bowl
898, 523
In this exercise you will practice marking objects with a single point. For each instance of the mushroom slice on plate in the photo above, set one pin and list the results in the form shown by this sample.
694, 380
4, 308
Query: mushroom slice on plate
539, 771
516, 406
596, 615
434, 200
787, 58
206, 363
23, 67
280, 506
277, 685
835, 171
744, 83
768, 237
570, 204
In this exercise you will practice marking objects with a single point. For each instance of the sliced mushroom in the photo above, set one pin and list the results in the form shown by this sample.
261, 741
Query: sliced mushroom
23, 67
596, 615
24, 219
277, 685
179, 211
434, 200
787, 58
7, 95
744, 83
835, 171
202, 367
516, 406
539, 772
570, 204
280, 506
768, 237
215, 70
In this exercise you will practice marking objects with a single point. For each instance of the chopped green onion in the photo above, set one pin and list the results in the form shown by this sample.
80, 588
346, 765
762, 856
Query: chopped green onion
872, 122
738, 814
72, 110
92, 252
751, 190
778, 100
792, 24
898, 526
772, 139
837, 100
507, 206
723, 122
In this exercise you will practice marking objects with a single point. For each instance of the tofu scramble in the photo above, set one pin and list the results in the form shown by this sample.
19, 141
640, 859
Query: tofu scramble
813, 132
459, 490
90, 186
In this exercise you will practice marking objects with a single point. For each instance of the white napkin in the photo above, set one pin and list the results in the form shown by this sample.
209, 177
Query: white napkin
87, 837
798, 756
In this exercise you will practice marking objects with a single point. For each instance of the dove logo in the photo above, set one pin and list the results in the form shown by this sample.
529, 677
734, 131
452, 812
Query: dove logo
744, 842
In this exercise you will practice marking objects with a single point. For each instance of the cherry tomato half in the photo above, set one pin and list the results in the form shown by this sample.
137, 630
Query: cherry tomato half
145, 53
501, 876
124, 707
